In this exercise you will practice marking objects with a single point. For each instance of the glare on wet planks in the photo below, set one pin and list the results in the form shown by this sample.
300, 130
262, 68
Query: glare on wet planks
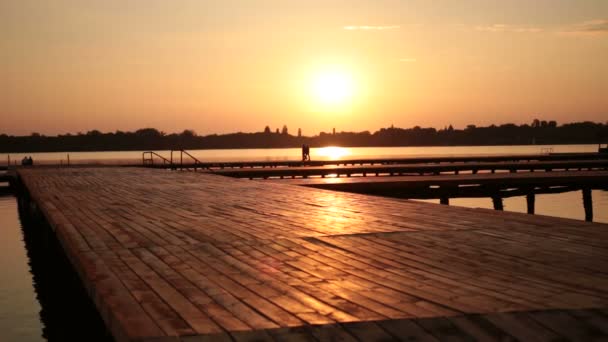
180, 254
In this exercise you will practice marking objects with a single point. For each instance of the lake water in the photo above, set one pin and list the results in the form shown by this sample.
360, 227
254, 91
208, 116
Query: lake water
19, 308
41, 298
282, 154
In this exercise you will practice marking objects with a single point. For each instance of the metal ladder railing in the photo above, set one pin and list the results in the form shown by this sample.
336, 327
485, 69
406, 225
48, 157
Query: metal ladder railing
150, 159
147, 158
181, 159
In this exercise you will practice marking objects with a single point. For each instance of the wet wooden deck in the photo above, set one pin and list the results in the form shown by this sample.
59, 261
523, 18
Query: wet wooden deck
183, 256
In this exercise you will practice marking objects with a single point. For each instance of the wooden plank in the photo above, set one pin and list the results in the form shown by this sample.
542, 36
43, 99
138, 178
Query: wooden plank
406, 330
194, 256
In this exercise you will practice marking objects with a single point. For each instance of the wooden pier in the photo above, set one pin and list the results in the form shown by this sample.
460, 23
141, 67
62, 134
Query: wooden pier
184, 256
496, 186
6, 176
156, 160
415, 169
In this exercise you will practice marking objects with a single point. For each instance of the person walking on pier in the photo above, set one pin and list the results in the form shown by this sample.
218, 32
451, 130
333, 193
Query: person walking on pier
305, 153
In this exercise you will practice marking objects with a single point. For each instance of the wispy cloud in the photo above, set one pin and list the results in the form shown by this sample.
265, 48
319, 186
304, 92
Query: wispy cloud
508, 28
407, 60
587, 28
371, 28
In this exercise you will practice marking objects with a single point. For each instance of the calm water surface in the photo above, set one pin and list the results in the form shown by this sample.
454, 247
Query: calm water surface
41, 298
278, 154
567, 205
19, 308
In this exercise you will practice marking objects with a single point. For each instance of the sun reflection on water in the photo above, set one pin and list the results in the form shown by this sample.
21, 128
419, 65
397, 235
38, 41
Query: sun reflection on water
332, 152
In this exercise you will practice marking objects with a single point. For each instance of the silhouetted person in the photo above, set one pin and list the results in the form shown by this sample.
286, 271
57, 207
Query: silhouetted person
27, 161
306, 152
303, 152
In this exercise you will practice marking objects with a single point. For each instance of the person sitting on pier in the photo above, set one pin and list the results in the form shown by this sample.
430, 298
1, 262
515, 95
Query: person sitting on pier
27, 161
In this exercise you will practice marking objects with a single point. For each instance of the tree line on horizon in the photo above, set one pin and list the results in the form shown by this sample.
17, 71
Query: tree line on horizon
538, 132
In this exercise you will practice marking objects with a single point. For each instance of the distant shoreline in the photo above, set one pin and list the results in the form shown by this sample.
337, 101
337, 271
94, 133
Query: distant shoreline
150, 139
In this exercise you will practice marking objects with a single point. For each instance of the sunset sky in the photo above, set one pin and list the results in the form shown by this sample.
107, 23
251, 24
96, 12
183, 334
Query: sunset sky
226, 66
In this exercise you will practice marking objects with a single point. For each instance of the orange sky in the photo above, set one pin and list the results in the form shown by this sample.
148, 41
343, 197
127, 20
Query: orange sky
225, 66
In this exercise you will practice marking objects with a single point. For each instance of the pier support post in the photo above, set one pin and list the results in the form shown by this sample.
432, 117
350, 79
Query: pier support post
497, 201
588, 204
530, 199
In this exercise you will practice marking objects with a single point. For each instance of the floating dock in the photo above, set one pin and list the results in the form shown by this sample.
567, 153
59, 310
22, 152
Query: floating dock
496, 186
414, 169
183, 159
185, 256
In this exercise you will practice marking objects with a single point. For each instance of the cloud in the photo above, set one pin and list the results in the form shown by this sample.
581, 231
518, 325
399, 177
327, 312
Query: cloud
508, 28
407, 60
588, 28
371, 28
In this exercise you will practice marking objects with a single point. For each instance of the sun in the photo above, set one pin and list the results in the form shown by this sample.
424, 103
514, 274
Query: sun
332, 87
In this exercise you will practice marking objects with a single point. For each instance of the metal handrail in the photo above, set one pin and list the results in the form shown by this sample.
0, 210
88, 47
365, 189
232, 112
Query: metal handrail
181, 159
151, 159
